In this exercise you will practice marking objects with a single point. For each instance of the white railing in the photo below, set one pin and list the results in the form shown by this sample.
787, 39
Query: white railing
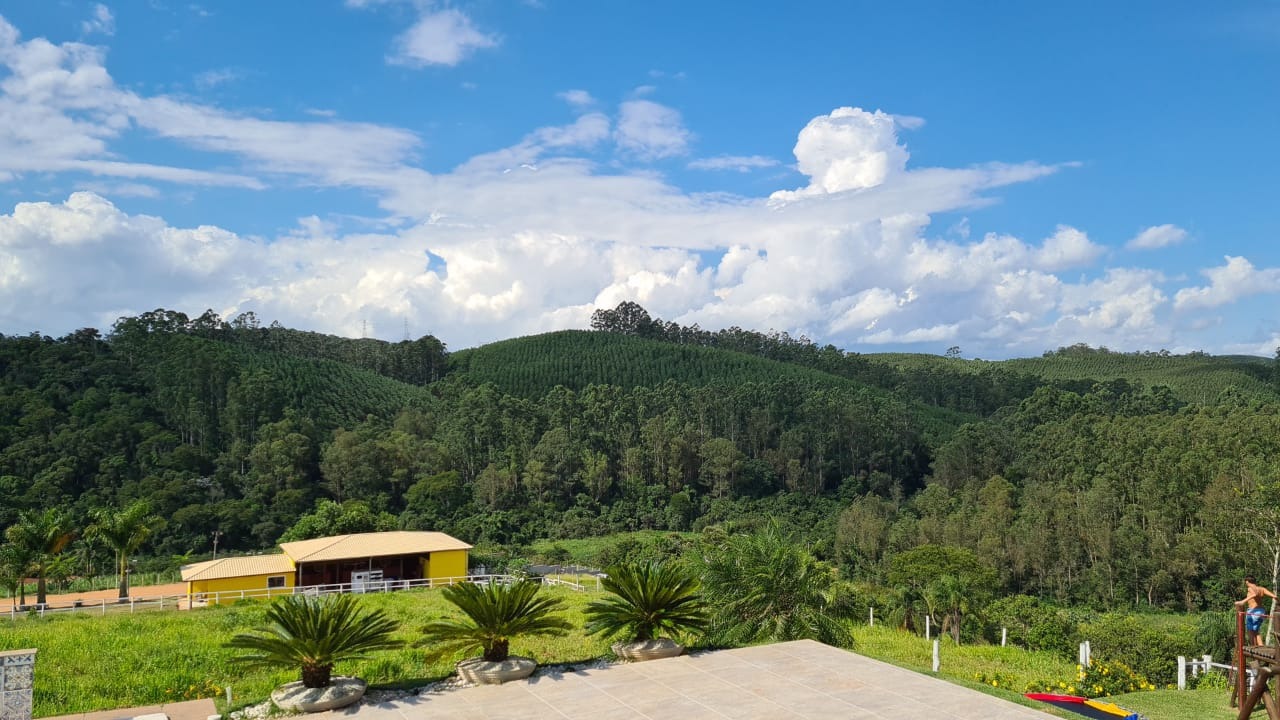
195, 600
1204, 665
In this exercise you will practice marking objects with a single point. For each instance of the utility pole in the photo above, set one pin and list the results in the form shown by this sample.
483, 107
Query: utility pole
216, 535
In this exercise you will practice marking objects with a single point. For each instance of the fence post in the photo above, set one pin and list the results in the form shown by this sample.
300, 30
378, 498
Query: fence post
936, 660
872, 617
1182, 673
1208, 663
1004, 635
1080, 655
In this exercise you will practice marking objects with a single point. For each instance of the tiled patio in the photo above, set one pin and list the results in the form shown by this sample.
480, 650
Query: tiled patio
190, 710
786, 681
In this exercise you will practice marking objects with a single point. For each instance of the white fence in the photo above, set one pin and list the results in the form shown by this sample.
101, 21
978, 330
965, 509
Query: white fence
196, 600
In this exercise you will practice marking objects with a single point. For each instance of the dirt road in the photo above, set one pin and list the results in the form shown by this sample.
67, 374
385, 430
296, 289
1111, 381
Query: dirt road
95, 597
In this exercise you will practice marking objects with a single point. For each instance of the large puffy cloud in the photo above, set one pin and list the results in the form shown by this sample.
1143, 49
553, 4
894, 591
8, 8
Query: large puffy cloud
1236, 279
538, 234
848, 149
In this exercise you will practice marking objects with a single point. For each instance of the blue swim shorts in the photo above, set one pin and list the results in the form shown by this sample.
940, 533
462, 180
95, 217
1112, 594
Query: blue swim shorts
1253, 619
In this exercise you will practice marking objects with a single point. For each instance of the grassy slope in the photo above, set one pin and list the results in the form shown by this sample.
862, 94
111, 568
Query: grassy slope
577, 358
154, 657
126, 660
1199, 379
530, 366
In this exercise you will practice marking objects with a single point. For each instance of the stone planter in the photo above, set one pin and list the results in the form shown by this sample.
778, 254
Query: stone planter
484, 672
341, 692
647, 649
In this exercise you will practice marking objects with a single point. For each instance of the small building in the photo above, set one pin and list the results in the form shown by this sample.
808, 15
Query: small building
360, 561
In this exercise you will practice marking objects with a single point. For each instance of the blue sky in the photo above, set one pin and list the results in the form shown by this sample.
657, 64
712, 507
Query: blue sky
1005, 177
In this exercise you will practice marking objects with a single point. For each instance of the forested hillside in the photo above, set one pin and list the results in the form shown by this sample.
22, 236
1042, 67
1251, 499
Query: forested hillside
1106, 492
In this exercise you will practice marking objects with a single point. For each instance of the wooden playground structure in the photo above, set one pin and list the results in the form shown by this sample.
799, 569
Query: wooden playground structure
1264, 663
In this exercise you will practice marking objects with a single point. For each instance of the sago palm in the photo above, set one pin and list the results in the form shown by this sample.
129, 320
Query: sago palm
648, 599
315, 633
494, 615
766, 587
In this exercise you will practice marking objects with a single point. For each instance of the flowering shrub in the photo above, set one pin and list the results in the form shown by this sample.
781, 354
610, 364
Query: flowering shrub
194, 691
1101, 679
999, 680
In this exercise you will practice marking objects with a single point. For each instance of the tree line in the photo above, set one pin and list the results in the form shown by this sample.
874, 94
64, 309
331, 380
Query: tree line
1109, 494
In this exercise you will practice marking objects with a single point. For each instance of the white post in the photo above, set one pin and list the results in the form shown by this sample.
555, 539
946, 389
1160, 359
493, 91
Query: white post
928, 627
228, 695
936, 662
1080, 655
1004, 635
1208, 660
130, 606
1088, 654
1182, 673
871, 615
104, 607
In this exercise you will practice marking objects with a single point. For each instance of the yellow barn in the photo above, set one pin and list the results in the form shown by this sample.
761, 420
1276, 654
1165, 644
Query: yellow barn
361, 561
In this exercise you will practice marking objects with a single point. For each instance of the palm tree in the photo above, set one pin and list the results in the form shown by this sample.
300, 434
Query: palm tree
124, 531
315, 633
647, 600
951, 596
15, 561
494, 615
41, 536
767, 587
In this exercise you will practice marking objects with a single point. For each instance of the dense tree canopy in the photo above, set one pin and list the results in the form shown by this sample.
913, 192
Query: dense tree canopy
1109, 493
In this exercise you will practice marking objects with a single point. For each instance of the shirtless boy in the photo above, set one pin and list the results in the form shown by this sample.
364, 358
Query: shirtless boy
1255, 614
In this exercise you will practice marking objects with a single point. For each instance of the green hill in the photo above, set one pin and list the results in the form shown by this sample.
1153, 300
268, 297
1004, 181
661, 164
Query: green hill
532, 365
1195, 378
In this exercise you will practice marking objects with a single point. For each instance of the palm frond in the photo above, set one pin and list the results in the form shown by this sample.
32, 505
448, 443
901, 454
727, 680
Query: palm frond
315, 632
648, 600
494, 615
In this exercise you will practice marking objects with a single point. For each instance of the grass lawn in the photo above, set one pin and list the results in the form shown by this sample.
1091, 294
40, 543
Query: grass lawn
163, 656
1180, 705
155, 657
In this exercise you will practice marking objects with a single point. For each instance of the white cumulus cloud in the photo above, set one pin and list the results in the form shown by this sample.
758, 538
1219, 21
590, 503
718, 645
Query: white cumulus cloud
102, 21
650, 131
440, 37
848, 149
1237, 279
1157, 236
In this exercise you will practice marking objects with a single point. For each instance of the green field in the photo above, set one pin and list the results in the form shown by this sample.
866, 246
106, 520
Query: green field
155, 657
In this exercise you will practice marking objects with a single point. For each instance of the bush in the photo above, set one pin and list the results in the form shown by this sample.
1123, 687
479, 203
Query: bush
1101, 679
1031, 624
1137, 642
